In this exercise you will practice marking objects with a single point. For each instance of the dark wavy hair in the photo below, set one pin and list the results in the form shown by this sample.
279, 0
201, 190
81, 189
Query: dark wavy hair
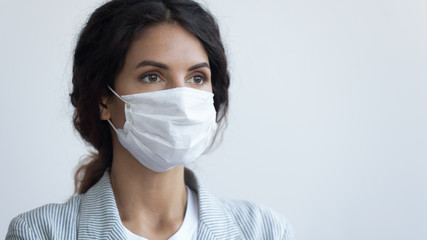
99, 57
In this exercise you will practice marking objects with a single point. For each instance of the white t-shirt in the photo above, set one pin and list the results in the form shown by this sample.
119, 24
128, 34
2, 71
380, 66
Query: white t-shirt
188, 229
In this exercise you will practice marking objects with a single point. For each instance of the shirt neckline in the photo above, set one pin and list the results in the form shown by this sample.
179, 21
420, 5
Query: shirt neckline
189, 224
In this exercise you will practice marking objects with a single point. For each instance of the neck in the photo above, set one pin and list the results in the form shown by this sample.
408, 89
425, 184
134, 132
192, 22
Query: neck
148, 202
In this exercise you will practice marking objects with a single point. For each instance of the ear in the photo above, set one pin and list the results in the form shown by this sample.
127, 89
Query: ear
104, 111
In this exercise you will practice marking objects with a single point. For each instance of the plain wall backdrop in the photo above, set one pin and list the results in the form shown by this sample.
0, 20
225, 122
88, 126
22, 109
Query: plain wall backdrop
327, 124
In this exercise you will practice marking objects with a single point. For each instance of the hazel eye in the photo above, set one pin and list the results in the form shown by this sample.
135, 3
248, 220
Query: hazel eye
198, 80
151, 78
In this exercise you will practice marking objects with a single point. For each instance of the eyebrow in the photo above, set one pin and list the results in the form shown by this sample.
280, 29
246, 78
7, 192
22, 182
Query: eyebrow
152, 63
164, 66
200, 65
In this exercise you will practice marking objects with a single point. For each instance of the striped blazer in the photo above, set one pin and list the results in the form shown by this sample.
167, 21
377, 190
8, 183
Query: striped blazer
94, 215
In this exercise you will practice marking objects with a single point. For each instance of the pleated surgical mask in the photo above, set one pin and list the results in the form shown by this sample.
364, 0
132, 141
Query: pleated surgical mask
167, 128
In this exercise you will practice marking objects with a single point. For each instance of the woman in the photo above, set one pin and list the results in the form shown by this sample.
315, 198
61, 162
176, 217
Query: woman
150, 85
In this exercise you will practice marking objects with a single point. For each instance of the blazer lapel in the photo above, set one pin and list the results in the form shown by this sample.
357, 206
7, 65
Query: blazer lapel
215, 222
99, 217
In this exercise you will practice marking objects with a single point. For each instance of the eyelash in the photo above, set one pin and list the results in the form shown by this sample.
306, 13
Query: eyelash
204, 79
198, 74
148, 75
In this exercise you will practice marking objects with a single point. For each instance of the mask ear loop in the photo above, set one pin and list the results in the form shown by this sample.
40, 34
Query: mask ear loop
111, 124
117, 95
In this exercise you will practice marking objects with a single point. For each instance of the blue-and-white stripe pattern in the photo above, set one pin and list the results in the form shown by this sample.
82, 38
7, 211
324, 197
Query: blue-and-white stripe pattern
94, 215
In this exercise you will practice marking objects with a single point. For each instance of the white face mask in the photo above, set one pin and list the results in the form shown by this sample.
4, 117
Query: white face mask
167, 128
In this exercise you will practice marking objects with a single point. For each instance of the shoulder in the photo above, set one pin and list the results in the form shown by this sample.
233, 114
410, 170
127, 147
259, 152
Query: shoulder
257, 221
52, 221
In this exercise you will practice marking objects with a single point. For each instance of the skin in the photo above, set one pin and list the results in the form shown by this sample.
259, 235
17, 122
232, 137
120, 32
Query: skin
164, 56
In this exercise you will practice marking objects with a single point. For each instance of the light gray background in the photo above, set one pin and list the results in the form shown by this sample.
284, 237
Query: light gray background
327, 121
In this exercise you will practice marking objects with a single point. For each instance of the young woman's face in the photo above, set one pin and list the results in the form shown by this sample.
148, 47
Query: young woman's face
165, 56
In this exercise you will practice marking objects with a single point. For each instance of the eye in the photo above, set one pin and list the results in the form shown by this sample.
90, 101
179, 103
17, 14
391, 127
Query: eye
198, 80
151, 78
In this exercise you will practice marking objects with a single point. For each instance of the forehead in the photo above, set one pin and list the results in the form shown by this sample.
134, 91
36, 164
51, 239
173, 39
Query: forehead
169, 43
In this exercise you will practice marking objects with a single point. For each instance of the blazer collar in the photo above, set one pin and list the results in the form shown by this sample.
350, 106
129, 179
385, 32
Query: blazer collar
215, 222
99, 217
